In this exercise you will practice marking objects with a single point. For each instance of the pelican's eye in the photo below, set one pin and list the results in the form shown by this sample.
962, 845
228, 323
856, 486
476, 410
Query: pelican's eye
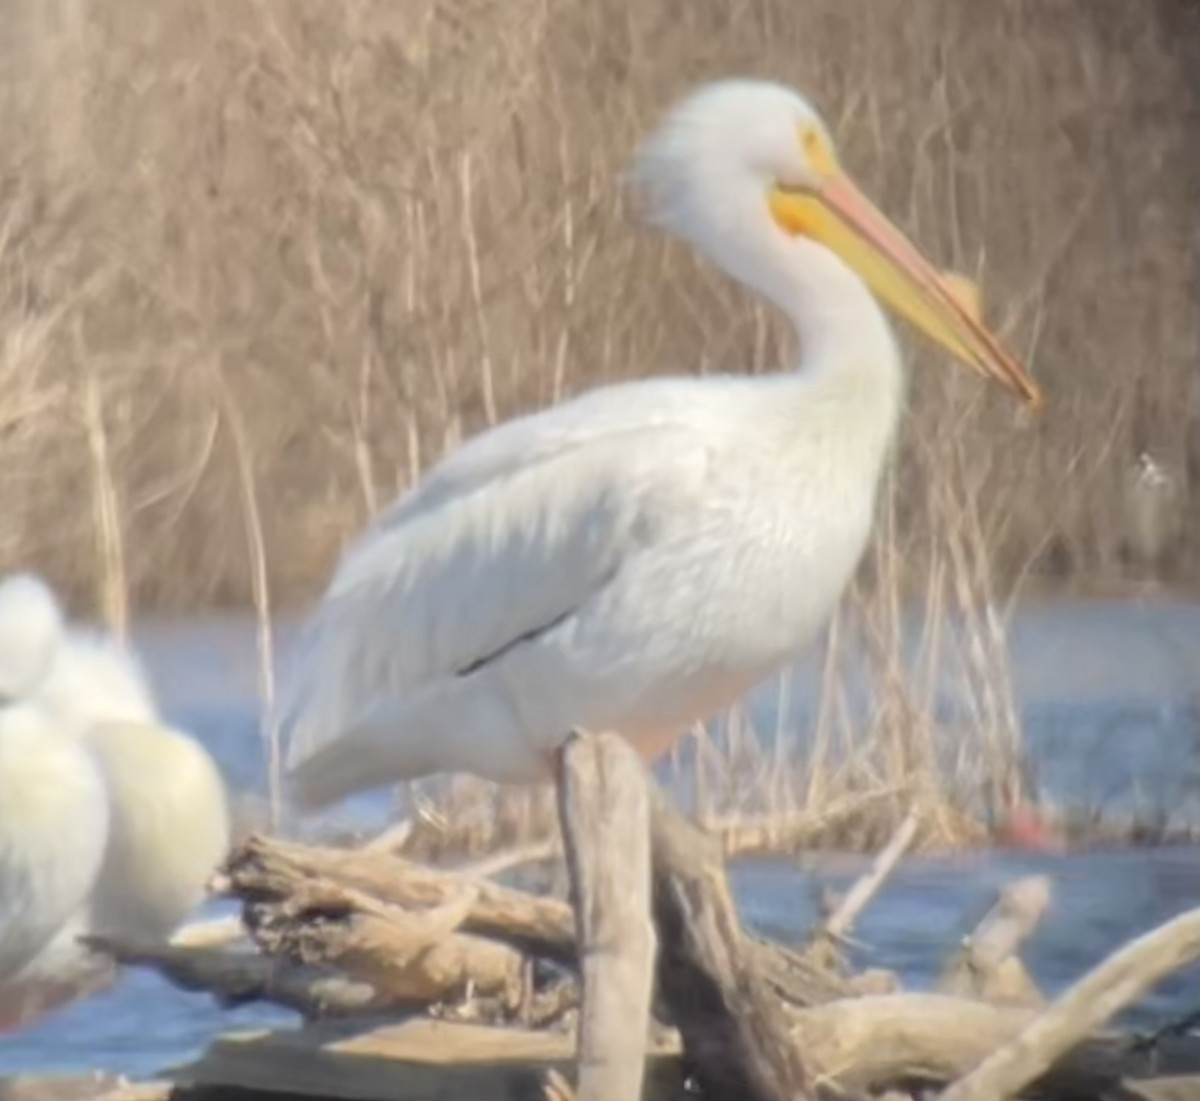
817, 151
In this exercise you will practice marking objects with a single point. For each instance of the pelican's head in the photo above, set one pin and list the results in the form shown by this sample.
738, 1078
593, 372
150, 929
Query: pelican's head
31, 628
743, 158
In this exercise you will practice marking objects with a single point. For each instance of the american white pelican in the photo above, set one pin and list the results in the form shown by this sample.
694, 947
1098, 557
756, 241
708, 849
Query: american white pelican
110, 822
637, 558
53, 832
170, 829
94, 679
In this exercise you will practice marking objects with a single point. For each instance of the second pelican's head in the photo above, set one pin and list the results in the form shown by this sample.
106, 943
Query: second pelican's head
31, 629
739, 159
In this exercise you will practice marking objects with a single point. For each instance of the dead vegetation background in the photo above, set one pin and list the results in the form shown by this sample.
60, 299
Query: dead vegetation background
261, 264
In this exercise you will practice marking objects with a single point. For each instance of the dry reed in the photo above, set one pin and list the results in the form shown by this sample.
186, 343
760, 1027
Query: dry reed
391, 225
396, 224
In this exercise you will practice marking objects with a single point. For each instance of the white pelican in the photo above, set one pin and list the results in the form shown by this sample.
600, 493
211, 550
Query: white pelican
54, 817
170, 829
133, 857
637, 558
94, 679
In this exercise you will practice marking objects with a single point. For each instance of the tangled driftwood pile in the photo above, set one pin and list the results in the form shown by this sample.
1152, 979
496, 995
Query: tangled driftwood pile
425, 983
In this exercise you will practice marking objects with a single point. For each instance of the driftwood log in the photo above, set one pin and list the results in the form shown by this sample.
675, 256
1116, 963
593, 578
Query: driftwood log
857, 1043
987, 965
861, 1044
754, 1020
411, 956
736, 1036
276, 880
236, 978
604, 807
1093, 1001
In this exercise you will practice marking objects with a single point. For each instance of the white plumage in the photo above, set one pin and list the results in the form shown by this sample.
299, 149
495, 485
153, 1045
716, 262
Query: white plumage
94, 680
170, 829
110, 822
53, 833
639, 557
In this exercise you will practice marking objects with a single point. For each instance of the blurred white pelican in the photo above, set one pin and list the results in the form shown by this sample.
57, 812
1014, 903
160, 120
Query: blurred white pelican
1153, 511
639, 557
54, 818
94, 679
129, 857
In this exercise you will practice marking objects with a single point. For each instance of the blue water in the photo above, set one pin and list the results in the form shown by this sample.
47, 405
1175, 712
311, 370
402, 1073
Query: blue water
1109, 698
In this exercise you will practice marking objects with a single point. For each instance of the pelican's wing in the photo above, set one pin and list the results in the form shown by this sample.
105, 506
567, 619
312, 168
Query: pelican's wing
647, 411
501, 542
53, 832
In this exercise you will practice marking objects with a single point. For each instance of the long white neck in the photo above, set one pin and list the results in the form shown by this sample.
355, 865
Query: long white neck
849, 353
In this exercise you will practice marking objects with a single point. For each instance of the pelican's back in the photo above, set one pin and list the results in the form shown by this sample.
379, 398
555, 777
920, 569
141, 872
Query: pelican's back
170, 828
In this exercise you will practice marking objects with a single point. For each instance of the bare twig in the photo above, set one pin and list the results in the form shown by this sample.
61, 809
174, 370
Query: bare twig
390, 839
214, 933
260, 584
507, 859
555, 1087
1116, 983
106, 507
986, 966
273, 869
842, 920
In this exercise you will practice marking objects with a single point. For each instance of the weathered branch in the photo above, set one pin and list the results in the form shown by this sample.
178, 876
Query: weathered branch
515, 857
1117, 982
839, 923
858, 1044
986, 965
878, 1041
238, 978
277, 877
411, 957
82, 1087
733, 1028
604, 808
212, 933
733, 996
265, 869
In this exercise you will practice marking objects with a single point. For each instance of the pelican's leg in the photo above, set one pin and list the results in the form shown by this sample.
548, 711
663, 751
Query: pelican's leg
653, 747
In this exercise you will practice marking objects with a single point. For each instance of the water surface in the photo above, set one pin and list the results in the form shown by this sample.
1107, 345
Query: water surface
1110, 700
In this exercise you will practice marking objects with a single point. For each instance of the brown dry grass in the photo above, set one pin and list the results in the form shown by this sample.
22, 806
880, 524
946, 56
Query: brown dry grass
930, 729
260, 265
381, 226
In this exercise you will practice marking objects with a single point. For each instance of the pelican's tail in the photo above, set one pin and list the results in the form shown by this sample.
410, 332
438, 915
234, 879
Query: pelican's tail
458, 725
337, 770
